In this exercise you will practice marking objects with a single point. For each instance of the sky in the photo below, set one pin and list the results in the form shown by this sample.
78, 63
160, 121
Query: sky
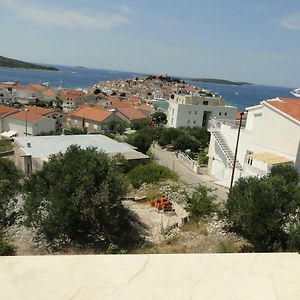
257, 41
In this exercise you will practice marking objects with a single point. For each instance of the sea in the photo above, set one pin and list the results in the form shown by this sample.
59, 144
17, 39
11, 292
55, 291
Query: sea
241, 96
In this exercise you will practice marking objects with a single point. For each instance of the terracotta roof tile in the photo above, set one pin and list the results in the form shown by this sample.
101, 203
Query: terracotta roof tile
131, 113
289, 106
23, 116
6, 110
39, 110
94, 113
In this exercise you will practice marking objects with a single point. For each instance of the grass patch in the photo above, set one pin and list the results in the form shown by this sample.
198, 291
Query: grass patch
152, 194
150, 173
6, 145
196, 227
226, 246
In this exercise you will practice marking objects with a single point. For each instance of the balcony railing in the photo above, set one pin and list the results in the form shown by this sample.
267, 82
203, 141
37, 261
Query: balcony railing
215, 124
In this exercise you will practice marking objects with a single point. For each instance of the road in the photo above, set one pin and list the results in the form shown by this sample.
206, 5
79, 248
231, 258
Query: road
191, 179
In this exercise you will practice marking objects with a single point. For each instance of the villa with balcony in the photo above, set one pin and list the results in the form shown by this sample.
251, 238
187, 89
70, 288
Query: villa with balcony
269, 136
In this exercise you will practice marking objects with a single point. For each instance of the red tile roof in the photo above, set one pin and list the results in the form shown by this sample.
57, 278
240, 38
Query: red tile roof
131, 113
6, 110
118, 104
289, 106
26, 115
94, 113
39, 110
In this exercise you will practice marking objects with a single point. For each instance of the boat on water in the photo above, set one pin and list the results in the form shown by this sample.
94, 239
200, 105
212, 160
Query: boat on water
296, 92
45, 83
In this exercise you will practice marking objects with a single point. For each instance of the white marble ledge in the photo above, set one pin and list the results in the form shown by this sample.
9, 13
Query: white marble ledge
153, 277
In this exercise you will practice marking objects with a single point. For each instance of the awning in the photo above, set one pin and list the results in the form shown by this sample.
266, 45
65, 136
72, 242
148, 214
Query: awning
270, 158
9, 134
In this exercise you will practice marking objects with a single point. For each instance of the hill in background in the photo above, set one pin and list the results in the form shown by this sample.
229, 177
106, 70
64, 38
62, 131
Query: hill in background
6, 62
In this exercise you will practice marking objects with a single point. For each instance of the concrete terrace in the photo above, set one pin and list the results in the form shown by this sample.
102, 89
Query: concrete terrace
173, 276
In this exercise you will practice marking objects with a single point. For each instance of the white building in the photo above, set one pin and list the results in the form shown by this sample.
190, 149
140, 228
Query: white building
188, 110
31, 151
270, 136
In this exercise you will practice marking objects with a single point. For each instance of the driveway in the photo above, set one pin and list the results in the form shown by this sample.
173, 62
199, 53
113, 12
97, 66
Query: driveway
169, 159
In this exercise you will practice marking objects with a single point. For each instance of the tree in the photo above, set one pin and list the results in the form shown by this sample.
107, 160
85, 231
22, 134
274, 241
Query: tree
142, 139
159, 117
77, 196
186, 141
261, 209
10, 185
200, 204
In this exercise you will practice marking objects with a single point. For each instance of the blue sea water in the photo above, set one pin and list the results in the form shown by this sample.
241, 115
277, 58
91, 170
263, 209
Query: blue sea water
68, 77
72, 77
244, 96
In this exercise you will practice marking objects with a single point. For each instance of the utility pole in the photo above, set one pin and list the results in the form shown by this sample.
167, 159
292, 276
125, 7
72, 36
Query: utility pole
26, 110
236, 149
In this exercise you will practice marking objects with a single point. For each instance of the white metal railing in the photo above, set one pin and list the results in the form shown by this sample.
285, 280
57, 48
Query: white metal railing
215, 124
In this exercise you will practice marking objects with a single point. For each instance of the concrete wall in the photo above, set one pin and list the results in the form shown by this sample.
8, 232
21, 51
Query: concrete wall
33, 128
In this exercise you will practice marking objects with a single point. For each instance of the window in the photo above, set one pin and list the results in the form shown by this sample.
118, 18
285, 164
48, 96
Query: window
95, 126
205, 102
189, 121
225, 114
194, 122
172, 121
190, 111
173, 112
220, 113
196, 112
87, 124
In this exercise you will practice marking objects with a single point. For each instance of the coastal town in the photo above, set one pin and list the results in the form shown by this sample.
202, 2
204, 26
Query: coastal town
151, 121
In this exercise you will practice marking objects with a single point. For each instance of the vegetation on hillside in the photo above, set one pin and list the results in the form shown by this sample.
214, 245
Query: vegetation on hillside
76, 197
194, 139
6, 62
219, 81
266, 210
150, 173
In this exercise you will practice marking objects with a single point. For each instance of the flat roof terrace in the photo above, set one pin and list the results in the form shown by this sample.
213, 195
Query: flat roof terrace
44, 146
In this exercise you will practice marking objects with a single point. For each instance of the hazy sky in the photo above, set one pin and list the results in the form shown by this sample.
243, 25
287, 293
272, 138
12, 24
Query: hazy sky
246, 40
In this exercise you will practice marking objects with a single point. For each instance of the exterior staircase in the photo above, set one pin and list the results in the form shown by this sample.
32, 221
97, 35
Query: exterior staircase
226, 149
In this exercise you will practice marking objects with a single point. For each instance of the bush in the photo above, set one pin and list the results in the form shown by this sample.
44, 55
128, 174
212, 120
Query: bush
150, 173
261, 209
6, 249
10, 185
77, 196
203, 158
186, 141
226, 247
201, 205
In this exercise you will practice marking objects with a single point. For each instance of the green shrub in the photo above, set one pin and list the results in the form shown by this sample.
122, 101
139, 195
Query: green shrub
203, 158
150, 173
6, 249
200, 204
226, 247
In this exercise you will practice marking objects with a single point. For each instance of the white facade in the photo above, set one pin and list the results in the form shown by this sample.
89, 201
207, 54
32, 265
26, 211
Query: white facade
269, 137
196, 111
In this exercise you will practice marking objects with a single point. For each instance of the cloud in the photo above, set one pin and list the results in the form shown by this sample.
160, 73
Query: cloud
59, 16
291, 21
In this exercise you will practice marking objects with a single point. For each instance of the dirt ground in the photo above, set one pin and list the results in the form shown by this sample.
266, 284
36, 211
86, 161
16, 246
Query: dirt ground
157, 222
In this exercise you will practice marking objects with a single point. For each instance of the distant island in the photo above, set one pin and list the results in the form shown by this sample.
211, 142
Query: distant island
6, 62
219, 81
